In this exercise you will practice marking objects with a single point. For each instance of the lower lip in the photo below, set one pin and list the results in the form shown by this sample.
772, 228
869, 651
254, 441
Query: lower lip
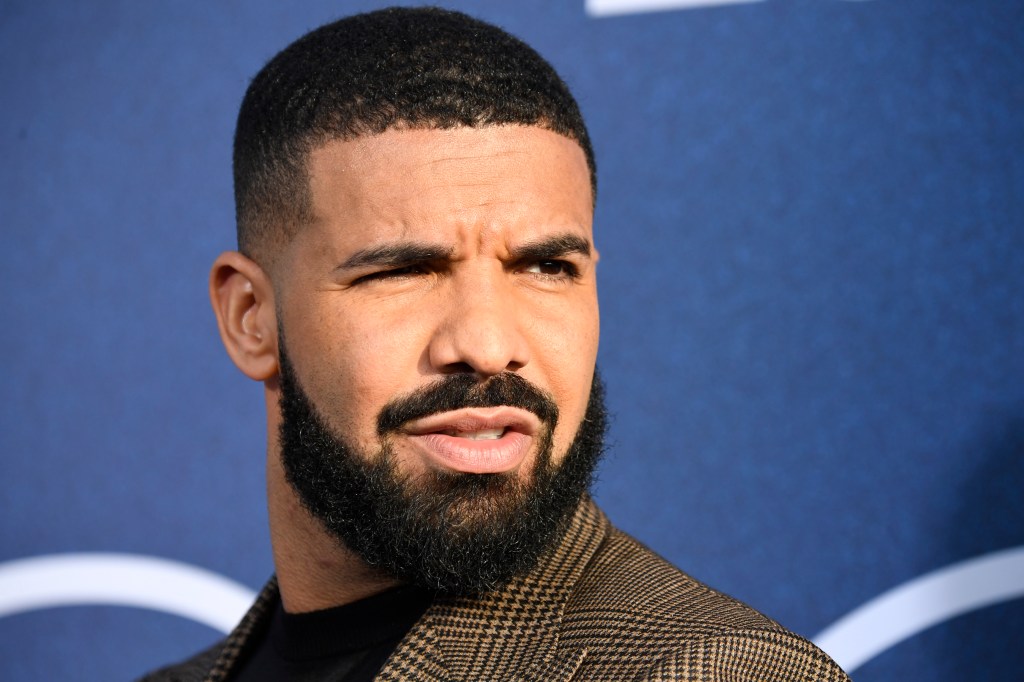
494, 456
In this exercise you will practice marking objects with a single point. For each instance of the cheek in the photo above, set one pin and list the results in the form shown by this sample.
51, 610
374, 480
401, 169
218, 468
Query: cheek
566, 350
353, 365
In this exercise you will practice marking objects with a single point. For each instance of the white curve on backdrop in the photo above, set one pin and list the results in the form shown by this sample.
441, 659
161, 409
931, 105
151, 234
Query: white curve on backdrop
607, 8
122, 580
918, 604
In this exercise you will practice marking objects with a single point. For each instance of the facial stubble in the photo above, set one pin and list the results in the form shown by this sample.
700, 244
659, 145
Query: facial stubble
448, 532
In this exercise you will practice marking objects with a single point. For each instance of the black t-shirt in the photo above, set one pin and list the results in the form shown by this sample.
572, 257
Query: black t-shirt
347, 643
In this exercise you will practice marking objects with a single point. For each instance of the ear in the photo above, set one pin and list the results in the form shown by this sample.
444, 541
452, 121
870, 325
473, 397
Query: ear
243, 300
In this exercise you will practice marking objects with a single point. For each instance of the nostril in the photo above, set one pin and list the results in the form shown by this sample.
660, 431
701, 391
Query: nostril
458, 368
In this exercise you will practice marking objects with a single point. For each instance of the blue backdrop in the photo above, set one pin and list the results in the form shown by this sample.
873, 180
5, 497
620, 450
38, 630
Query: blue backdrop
811, 220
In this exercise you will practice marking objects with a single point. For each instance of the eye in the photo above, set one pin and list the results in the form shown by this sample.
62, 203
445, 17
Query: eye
394, 273
553, 268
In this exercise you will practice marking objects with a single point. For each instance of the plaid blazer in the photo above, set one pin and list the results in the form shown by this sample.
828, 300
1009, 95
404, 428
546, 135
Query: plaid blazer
599, 607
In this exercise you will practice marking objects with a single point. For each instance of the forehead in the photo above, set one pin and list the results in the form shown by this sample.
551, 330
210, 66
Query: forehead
438, 183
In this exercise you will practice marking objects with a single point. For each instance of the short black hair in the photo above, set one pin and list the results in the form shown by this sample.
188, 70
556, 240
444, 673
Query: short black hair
399, 67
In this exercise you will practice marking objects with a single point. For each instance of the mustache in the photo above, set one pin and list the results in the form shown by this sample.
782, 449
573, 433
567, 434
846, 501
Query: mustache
459, 391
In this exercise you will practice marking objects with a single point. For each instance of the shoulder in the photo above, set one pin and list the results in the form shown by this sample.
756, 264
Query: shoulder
625, 582
632, 608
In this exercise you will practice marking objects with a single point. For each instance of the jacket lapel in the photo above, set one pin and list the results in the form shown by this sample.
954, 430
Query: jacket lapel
246, 635
508, 634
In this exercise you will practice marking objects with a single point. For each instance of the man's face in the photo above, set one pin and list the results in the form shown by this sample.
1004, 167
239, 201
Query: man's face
440, 313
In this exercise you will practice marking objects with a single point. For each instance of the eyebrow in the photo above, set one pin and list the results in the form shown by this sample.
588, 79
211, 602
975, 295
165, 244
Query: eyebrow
408, 253
395, 255
556, 246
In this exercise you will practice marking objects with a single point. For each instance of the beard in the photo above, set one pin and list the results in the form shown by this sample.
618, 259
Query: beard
453, 533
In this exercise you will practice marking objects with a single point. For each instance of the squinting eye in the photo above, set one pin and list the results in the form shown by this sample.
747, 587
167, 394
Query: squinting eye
400, 272
395, 273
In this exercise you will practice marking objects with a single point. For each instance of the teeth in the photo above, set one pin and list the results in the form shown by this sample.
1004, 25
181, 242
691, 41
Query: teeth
486, 434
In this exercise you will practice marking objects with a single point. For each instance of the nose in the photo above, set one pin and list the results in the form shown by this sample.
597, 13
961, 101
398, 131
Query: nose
480, 329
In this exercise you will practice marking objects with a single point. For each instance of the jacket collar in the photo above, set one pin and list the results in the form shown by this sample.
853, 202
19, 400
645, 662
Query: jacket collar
509, 633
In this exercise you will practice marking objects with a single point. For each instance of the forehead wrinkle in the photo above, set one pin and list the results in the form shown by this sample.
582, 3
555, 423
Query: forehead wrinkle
480, 176
484, 156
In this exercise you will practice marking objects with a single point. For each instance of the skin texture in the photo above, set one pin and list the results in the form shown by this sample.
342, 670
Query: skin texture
432, 252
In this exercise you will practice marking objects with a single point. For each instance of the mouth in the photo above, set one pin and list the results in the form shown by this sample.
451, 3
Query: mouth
477, 441
485, 434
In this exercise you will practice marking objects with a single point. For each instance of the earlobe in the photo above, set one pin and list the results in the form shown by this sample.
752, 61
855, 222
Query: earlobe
243, 301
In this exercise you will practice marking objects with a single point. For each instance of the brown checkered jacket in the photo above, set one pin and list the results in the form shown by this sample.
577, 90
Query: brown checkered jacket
599, 607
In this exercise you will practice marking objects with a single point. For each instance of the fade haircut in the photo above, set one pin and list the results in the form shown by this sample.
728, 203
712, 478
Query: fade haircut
362, 75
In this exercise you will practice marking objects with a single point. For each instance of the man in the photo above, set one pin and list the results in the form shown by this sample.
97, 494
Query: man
415, 288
